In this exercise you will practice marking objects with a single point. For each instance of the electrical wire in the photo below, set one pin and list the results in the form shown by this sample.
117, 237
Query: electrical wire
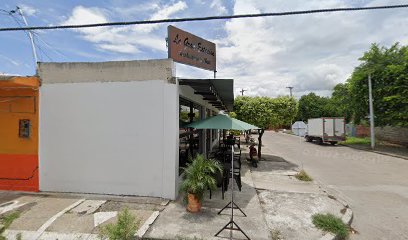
174, 20
36, 37
48, 45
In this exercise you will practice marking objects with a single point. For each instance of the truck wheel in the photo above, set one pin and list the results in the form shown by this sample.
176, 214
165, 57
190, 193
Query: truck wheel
319, 141
333, 143
308, 139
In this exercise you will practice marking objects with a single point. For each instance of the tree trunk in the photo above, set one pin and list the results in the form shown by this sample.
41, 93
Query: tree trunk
260, 132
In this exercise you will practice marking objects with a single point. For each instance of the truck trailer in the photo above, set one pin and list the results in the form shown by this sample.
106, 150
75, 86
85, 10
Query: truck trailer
326, 130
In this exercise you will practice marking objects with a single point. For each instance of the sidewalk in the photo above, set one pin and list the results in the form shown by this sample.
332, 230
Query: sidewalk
175, 222
53, 216
274, 201
389, 150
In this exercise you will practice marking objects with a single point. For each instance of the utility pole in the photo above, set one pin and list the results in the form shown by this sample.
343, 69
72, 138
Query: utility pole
30, 35
370, 99
242, 91
290, 89
291, 120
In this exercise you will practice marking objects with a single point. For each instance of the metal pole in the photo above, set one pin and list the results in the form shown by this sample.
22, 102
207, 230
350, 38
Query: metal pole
370, 98
232, 189
30, 35
290, 90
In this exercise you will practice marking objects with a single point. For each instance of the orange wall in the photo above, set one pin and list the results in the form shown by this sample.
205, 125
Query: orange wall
18, 156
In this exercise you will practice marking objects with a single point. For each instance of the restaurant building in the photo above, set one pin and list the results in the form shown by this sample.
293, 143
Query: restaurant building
117, 127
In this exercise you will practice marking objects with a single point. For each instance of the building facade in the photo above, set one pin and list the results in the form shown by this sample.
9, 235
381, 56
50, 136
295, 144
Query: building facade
19, 133
117, 127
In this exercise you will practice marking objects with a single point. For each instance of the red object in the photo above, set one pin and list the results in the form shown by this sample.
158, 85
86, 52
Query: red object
19, 172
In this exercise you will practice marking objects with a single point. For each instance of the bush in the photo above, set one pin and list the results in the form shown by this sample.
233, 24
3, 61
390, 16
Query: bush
330, 223
199, 176
303, 176
357, 140
124, 229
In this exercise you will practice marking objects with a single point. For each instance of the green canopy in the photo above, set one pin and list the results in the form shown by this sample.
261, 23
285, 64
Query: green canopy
221, 122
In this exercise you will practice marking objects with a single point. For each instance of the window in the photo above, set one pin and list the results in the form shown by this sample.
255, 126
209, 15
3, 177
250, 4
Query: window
189, 141
24, 130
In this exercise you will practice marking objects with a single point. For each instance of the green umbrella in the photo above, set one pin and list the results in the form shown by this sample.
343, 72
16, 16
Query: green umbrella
221, 122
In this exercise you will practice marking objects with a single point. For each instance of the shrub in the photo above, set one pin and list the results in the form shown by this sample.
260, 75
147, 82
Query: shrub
124, 229
303, 176
330, 223
199, 176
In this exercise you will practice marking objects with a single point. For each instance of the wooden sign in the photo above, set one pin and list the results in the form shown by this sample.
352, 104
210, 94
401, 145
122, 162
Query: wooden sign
186, 48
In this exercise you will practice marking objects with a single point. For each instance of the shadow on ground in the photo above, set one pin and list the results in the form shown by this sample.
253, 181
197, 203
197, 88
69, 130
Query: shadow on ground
270, 163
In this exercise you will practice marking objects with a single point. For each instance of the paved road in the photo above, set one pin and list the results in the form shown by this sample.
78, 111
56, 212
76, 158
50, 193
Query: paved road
374, 185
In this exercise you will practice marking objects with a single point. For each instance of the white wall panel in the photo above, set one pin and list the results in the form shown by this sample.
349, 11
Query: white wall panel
110, 138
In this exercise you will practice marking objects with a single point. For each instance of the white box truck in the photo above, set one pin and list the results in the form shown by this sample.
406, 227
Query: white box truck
326, 130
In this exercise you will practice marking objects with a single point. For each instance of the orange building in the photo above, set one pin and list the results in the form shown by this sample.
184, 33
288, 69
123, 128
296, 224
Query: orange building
19, 133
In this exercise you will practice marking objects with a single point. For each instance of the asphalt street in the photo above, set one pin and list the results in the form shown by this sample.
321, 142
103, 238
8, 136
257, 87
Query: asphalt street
375, 186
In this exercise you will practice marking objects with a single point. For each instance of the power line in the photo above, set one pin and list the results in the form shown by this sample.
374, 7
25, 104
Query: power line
174, 20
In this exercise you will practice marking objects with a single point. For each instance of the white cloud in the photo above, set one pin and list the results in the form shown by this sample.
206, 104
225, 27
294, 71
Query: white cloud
308, 52
127, 39
218, 7
264, 55
169, 10
28, 10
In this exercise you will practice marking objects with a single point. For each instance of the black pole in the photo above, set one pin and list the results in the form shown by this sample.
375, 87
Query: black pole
231, 223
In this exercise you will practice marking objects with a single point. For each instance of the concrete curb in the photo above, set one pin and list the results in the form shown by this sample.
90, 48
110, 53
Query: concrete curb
374, 151
145, 227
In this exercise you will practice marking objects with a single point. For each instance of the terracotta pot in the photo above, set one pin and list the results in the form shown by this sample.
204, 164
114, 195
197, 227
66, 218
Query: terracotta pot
194, 205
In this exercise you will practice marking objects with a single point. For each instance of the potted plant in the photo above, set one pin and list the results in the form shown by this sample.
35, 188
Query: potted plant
199, 176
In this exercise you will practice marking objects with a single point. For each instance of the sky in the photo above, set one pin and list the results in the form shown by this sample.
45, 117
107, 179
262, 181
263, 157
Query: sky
312, 53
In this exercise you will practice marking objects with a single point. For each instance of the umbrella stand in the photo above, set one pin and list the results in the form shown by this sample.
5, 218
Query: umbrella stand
232, 205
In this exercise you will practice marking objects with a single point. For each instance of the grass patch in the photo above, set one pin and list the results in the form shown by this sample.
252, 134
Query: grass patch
357, 140
330, 223
276, 235
303, 176
6, 221
124, 229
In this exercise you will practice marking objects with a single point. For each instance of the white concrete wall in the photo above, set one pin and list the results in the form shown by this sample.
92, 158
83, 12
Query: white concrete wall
109, 138
118, 71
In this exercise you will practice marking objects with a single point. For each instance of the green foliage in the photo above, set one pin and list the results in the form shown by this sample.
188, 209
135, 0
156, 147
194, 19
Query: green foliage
199, 176
265, 112
314, 106
389, 73
124, 229
357, 140
276, 235
232, 114
8, 219
303, 176
330, 223
235, 132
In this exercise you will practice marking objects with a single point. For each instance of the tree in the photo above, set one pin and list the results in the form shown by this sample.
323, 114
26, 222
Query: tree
265, 112
313, 106
389, 73
340, 101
